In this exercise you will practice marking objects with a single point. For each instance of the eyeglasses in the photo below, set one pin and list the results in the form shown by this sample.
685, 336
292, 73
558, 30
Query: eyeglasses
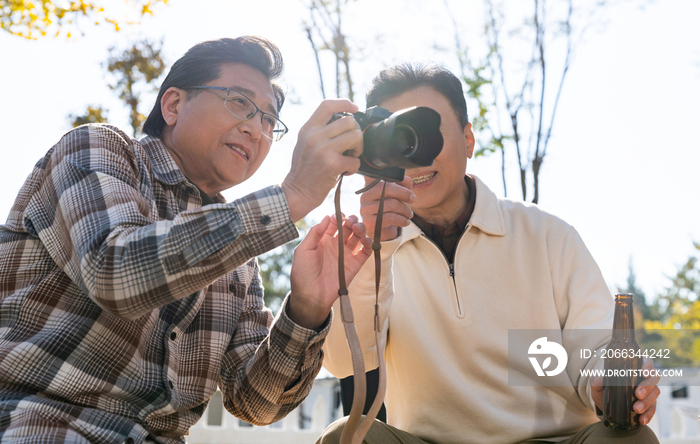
243, 108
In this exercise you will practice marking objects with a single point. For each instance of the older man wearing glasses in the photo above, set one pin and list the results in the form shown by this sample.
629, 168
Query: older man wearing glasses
129, 287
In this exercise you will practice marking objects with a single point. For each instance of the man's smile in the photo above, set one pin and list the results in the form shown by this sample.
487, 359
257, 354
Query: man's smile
239, 149
424, 178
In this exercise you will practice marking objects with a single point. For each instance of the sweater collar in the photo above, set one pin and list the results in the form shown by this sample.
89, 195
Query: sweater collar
487, 215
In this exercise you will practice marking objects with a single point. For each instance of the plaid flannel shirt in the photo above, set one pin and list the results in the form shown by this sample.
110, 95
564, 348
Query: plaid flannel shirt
124, 303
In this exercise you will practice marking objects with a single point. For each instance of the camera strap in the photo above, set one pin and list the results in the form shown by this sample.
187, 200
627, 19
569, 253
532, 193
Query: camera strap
356, 427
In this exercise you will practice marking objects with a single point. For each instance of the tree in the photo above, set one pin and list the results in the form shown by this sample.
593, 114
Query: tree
642, 309
519, 82
678, 325
141, 64
93, 114
135, 70
682, 294
326, 18
28, 18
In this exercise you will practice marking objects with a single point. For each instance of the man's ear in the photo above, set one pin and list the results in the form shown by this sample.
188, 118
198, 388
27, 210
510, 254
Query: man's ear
171, 103
469, 137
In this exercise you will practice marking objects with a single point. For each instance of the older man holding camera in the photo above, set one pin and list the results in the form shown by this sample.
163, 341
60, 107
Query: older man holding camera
130, 288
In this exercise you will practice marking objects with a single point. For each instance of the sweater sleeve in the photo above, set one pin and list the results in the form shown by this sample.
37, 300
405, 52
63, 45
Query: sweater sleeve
585, 308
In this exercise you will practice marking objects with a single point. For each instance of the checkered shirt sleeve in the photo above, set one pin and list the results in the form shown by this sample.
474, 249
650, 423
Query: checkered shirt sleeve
124, 303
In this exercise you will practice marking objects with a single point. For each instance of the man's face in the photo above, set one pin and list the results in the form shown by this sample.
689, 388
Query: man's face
439, 188
215, 149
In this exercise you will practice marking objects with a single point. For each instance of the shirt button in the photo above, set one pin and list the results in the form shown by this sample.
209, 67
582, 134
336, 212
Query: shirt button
129, 441
265, 219
170, 383
173, 336
190, 190
231, 288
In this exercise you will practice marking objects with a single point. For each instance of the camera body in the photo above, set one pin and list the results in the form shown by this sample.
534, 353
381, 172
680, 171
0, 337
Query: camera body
394, 142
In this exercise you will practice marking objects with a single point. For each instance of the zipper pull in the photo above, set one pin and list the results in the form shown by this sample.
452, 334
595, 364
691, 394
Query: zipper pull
452, 270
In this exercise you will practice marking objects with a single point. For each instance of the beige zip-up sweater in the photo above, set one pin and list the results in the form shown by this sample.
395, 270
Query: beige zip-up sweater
446, 327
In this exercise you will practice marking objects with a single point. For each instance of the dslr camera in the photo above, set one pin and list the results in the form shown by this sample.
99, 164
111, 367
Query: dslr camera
408, 138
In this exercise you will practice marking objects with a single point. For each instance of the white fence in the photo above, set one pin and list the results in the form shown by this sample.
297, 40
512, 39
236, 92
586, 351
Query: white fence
676, 420
302, 426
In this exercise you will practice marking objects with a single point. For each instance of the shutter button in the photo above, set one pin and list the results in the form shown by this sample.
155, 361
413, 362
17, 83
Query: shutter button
265, 219
173, 336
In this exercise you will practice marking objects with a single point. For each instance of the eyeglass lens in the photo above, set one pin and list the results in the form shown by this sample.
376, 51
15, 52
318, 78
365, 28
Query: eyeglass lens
241, 107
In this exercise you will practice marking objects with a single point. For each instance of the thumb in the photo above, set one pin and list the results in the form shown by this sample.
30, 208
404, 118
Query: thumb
314, 235
407, 182
597, 384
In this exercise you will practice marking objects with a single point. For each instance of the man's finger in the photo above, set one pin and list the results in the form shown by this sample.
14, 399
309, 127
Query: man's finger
389, 233
347, 227
333, 225
649, 383
328, 107
314, 235
348, 143
347, 164
646, 386
393, 191
646, 416
649, 398
597, 383
353, 242
391, 205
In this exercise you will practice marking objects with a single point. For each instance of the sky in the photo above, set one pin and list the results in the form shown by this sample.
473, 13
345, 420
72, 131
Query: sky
624, 157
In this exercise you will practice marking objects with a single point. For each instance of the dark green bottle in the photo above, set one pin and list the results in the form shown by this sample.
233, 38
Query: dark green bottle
623, 359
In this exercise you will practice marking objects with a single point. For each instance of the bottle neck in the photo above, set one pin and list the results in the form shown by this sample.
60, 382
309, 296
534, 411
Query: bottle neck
623, 322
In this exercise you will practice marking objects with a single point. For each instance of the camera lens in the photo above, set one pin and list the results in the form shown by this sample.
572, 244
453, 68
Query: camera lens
408, 138
404, 140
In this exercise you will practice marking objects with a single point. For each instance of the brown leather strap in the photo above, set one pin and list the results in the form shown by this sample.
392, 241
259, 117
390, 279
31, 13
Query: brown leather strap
381, 389
358, 365
355, 428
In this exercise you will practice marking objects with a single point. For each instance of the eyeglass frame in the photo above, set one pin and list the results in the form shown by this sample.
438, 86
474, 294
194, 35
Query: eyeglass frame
285, 130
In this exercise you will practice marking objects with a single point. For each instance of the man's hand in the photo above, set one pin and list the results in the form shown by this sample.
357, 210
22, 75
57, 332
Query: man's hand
319, 158
396, 210
646, 393
314, 275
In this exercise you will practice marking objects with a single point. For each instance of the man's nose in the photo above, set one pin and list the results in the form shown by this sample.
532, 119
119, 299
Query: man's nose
253, 126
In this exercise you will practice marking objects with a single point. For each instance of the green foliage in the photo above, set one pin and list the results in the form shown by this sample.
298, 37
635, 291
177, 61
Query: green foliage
474, 81
141, 64
28, 19
680, 333
642, 310
683, 292
275, 268
93, 114
490, 146
675, 317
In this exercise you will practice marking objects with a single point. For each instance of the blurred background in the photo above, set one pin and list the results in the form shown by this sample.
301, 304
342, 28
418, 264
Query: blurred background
605, 95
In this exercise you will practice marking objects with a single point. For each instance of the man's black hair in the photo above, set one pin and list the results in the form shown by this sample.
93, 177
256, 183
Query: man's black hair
202, 64
398, 79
